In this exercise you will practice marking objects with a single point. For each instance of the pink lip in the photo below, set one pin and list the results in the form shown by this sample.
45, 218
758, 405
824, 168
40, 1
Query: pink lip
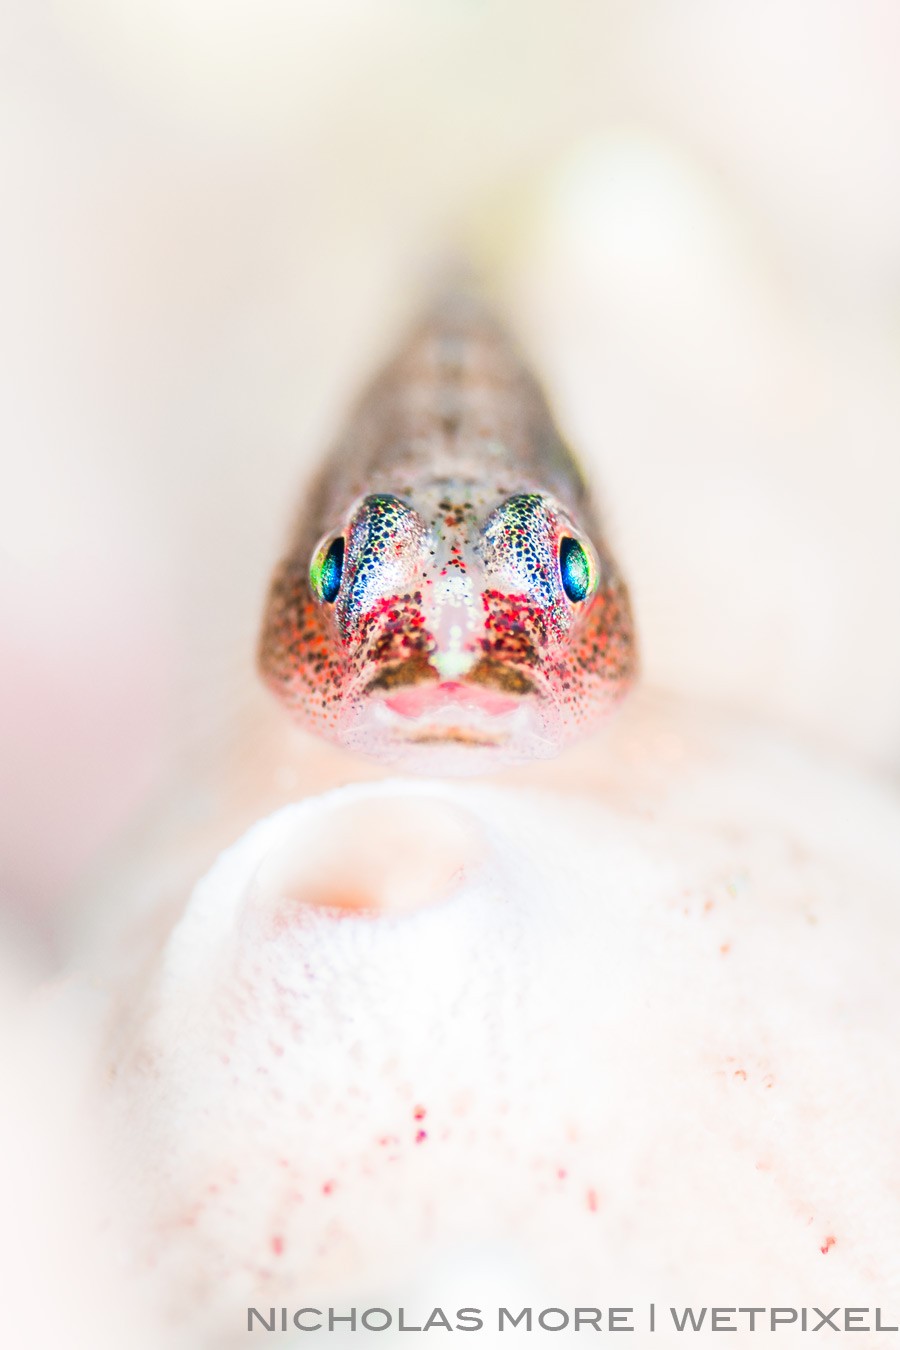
422, 700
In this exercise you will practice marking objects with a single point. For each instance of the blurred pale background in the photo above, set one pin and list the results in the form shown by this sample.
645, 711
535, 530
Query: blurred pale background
217, 218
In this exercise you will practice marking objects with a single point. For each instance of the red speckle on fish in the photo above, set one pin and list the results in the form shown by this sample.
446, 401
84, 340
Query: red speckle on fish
827, 1245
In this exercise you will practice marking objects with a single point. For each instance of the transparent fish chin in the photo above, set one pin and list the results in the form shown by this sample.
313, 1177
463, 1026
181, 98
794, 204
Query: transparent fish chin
452, 738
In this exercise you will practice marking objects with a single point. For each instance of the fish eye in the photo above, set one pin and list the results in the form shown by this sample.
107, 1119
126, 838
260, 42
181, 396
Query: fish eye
577, 569
327, 569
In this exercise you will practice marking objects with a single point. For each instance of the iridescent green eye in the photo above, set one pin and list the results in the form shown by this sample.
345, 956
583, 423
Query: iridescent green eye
576, 567
326, 570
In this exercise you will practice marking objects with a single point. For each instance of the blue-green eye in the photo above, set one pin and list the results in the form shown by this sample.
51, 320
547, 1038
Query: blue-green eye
577, 570
326, 570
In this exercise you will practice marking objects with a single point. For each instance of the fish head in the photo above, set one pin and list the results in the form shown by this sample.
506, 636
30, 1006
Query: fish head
451, 629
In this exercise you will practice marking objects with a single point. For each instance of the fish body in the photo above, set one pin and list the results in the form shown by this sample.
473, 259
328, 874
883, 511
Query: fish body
448, 602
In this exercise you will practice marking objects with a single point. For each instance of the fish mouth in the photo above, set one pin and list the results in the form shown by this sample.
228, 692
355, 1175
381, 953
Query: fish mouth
414, 690
490, 708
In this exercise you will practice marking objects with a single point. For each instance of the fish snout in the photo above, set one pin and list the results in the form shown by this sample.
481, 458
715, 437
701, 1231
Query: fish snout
435, 680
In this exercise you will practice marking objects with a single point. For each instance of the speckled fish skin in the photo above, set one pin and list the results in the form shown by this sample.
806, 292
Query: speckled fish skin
452, 643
